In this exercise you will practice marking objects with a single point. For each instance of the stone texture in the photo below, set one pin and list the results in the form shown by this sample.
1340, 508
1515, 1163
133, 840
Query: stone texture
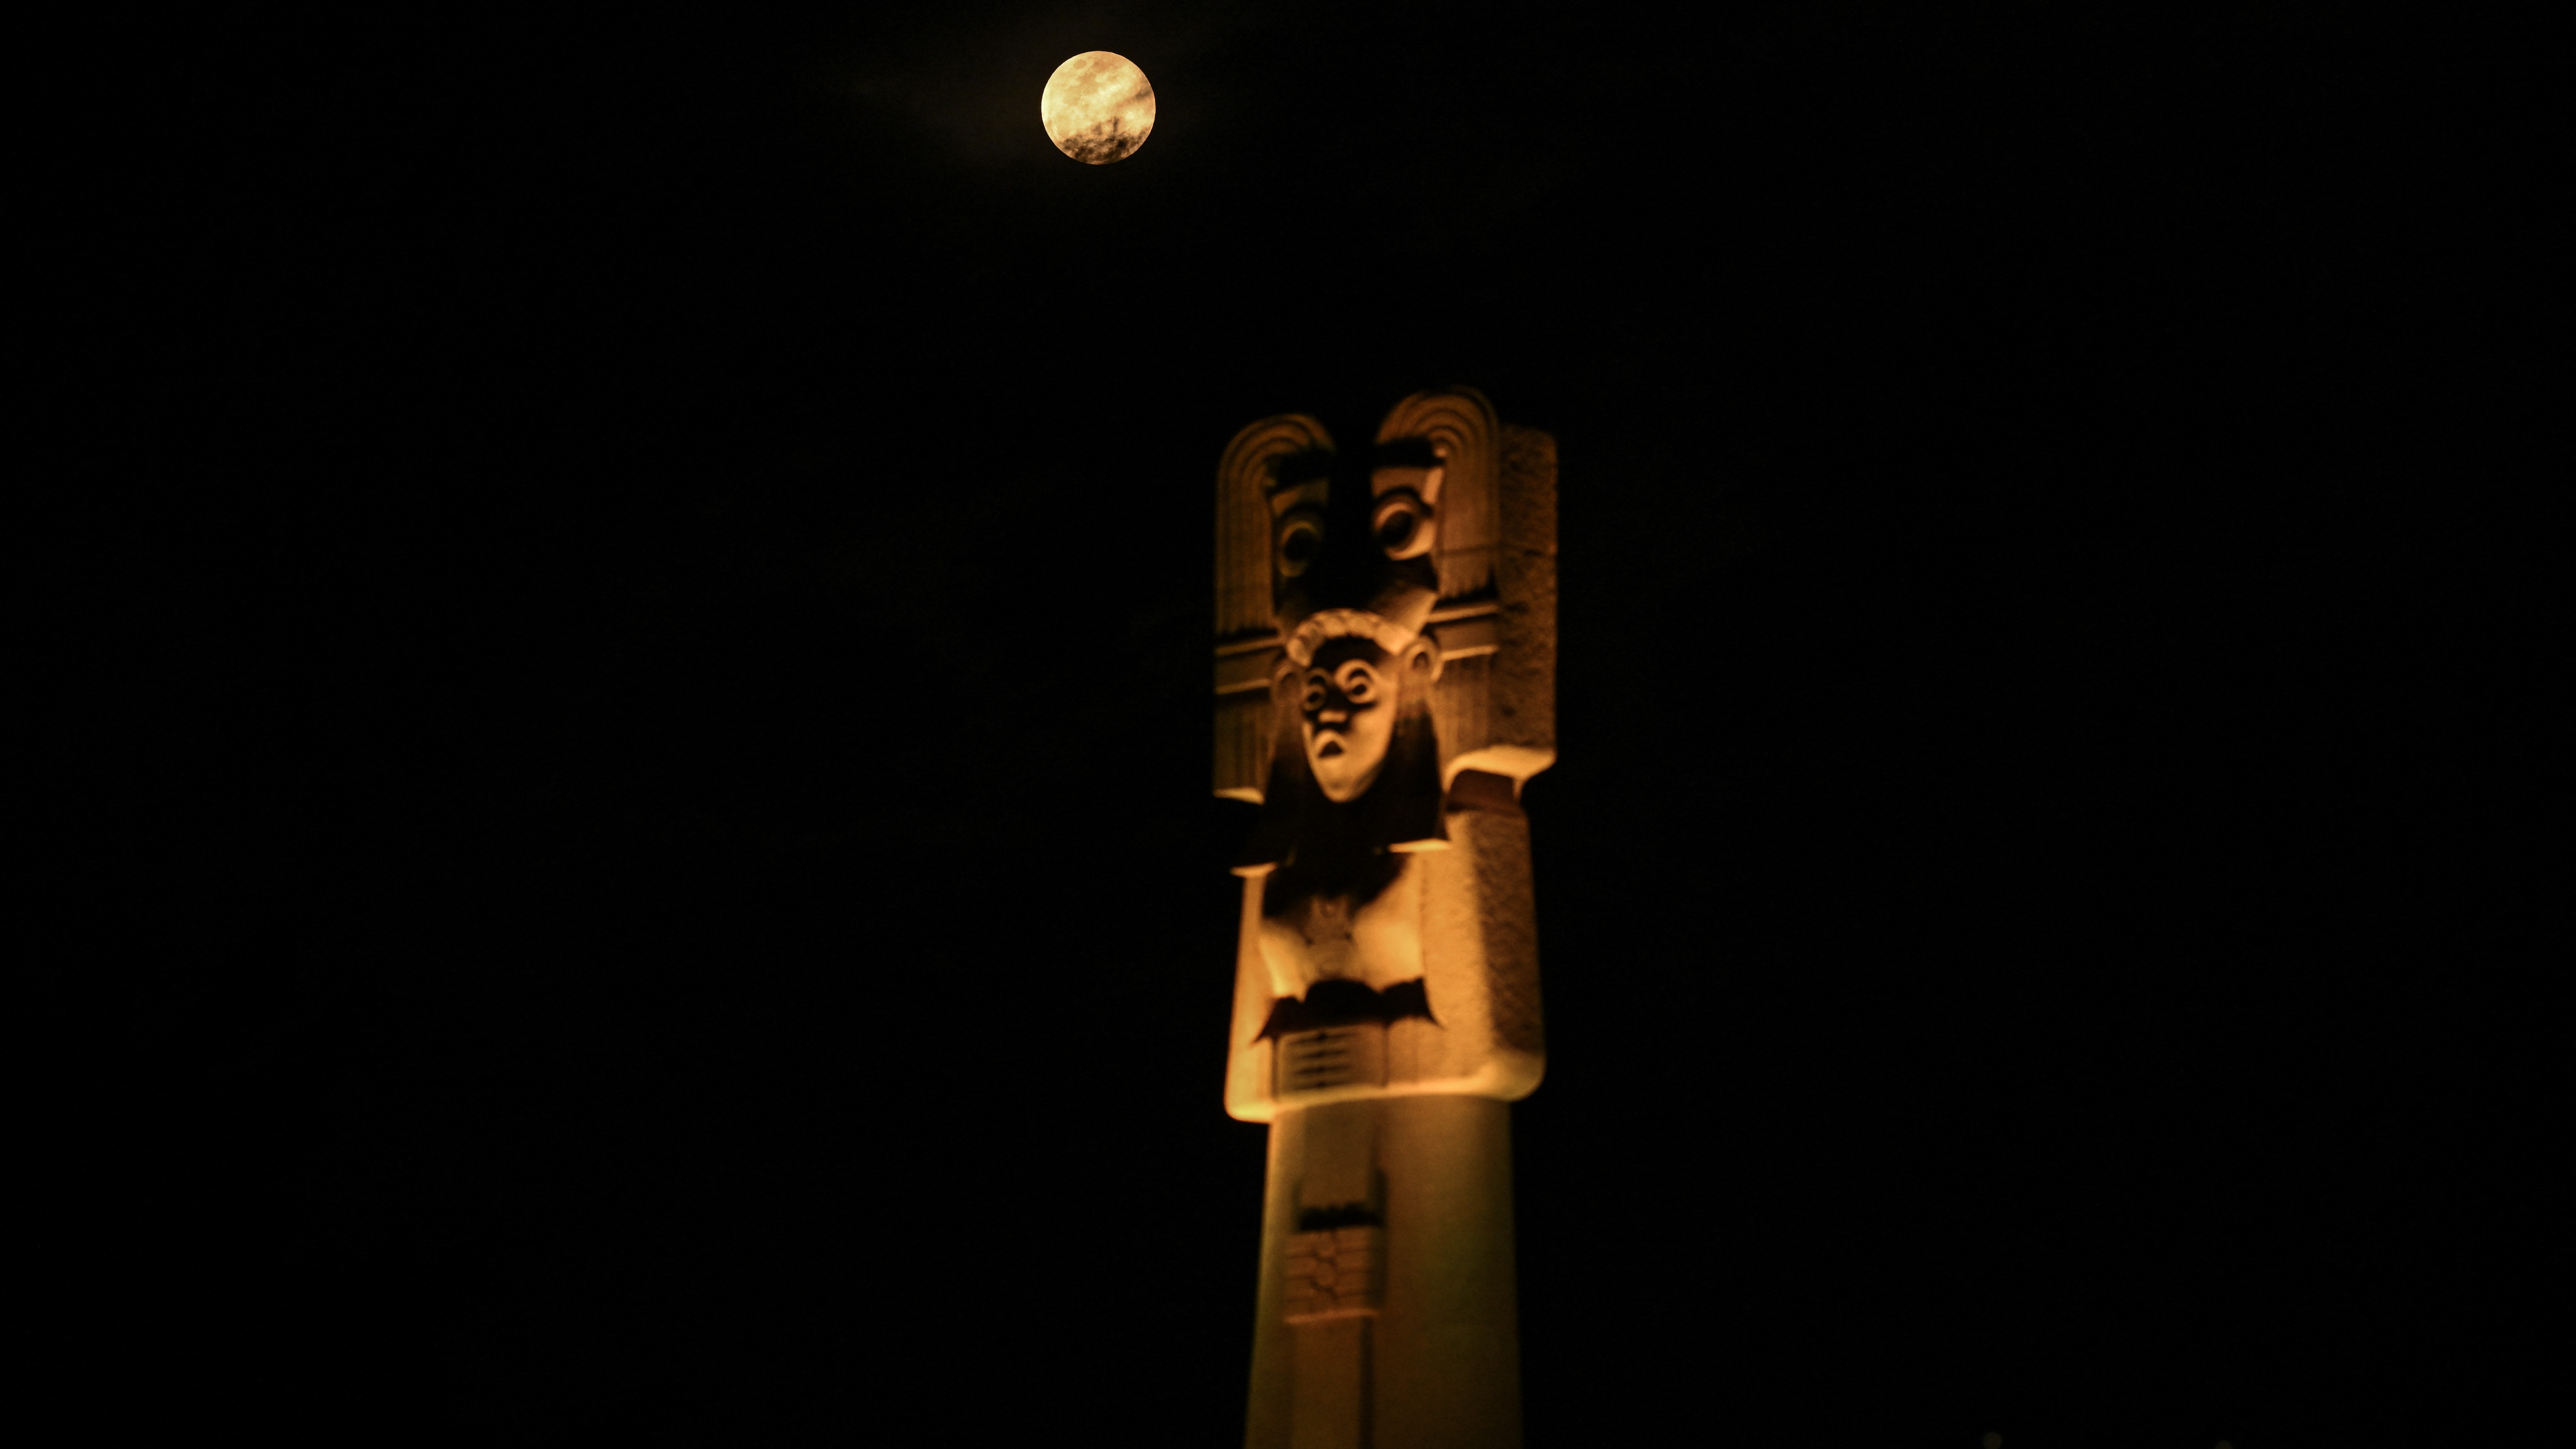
1386, 1005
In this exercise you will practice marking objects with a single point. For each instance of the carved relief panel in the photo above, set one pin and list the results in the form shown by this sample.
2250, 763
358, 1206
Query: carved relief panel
1385, 683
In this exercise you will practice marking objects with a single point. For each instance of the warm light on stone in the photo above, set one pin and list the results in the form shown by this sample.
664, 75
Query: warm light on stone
1385, 683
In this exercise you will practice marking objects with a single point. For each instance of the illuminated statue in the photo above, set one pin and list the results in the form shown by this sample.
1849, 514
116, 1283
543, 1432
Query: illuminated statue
1386, 657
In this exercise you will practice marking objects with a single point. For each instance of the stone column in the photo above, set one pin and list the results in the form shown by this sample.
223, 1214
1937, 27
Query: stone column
1385, 684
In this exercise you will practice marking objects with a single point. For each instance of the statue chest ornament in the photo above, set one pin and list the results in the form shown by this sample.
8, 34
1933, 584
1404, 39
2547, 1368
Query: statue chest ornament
1373, 940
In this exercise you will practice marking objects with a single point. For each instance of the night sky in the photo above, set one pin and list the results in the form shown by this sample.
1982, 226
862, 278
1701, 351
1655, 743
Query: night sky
670, 711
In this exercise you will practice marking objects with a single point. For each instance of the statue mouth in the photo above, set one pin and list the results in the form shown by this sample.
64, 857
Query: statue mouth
1327, 747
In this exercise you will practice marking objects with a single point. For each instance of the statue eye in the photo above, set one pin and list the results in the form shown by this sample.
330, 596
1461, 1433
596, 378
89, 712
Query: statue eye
1402, 523
1314, 694
1358, 685
1301, 537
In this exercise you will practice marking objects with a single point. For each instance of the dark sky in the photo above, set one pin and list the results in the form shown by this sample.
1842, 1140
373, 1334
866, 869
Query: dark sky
673, 717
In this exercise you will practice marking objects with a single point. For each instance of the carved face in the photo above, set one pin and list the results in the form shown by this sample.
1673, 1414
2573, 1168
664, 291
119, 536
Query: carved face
1349, 714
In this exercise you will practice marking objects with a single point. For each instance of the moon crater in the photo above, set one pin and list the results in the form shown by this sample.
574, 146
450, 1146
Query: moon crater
1098, 107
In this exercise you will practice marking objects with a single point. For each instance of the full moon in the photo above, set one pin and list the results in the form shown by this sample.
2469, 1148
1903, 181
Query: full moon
1098, 107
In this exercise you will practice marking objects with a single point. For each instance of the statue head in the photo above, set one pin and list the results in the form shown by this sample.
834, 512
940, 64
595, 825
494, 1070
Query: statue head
1330, 565
1356, 755
1355, 698
1346, 700
1346, 670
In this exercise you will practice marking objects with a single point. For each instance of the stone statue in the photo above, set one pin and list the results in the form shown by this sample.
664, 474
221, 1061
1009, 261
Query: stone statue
1385, 676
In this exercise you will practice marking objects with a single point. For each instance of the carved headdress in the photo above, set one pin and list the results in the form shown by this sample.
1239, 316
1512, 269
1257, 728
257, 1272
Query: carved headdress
1399, 548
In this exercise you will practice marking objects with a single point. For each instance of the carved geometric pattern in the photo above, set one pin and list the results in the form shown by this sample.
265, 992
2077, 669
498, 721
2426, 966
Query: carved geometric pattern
1337, 1056
1499, 845
1524, 685
1336, 1273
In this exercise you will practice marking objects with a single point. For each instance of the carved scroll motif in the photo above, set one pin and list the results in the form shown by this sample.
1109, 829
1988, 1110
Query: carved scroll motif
1247, 631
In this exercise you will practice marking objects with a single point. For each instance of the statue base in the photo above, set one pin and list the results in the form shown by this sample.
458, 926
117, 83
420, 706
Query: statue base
1388, 1314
